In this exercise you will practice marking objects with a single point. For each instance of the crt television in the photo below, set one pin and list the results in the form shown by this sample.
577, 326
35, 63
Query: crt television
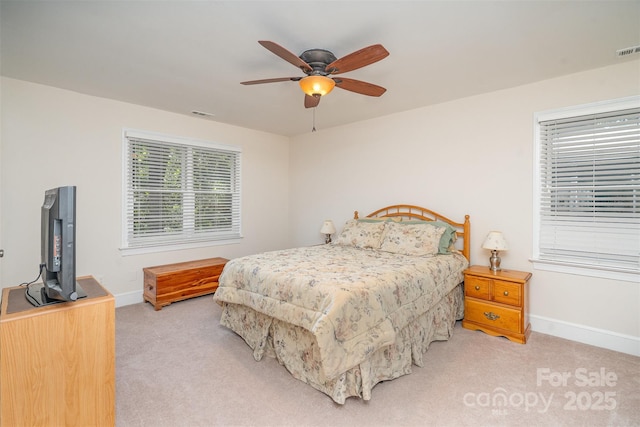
58, 250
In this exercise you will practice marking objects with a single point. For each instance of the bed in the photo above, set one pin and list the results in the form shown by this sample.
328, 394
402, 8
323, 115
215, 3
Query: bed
363, 309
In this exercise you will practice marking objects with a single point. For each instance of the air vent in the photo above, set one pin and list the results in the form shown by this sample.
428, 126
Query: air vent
202, 113
628, 51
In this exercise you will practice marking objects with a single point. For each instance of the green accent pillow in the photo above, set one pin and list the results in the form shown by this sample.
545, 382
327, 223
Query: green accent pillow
380, 219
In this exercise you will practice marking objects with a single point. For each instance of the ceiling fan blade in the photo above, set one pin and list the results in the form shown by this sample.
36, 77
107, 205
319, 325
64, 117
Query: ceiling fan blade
286, 55
277, 79
311, 101
357, 59
360, 87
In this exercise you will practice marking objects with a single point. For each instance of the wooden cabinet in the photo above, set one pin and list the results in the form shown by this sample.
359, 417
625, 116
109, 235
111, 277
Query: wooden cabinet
169, 283
57, 362
497, 302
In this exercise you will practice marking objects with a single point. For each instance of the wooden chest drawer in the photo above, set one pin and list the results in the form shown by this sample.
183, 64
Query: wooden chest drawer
493, 316
169, 283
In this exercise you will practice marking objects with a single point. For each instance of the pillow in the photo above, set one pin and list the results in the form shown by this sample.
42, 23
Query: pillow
448, 238
364, 235
412, 239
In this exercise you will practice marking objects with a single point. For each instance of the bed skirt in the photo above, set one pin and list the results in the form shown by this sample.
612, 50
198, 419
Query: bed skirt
296, 349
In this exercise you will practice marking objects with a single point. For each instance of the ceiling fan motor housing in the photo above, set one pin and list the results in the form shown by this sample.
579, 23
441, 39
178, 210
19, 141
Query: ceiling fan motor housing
318, 59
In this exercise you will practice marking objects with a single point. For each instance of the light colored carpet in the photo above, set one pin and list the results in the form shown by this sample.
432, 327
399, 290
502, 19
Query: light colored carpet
179, 367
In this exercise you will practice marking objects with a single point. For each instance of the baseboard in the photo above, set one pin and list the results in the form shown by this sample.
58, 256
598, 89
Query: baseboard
128, 298
586, 335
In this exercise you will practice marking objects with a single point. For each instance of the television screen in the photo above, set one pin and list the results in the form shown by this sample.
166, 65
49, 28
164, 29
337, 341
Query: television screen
58, 250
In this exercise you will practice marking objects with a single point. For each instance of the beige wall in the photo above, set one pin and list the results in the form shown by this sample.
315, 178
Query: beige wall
471, 156
83, 135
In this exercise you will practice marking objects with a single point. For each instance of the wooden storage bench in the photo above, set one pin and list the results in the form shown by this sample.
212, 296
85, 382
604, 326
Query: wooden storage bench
169, 283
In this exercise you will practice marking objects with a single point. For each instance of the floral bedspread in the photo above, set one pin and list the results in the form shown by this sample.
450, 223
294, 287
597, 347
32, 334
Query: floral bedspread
352, 300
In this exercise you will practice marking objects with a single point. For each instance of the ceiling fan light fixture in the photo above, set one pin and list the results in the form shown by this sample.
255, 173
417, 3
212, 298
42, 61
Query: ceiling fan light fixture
317, 85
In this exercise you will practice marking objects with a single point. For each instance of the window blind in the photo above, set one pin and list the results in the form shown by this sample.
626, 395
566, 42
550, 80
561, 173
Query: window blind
179, 193
590, 190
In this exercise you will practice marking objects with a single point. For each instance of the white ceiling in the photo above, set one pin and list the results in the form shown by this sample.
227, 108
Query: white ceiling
191, 55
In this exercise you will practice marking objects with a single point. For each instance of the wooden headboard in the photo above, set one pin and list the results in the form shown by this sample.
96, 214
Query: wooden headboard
463, 229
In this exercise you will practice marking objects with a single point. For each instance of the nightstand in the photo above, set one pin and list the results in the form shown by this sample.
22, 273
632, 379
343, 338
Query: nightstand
497, 302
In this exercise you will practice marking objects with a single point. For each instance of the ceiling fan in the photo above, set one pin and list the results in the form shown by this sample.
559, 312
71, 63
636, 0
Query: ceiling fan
320, 64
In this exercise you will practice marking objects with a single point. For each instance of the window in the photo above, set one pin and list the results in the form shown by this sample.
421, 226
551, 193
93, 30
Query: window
179, 192
587, 207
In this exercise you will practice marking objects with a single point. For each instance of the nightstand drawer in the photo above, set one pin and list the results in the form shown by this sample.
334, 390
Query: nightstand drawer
506, 293
493, 316
477, 287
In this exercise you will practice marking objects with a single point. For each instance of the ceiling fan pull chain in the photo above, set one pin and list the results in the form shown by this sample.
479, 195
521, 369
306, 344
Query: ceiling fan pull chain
314, 119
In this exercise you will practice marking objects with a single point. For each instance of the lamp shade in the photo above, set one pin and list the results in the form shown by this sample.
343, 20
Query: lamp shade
317, 85
495, 241
328, 227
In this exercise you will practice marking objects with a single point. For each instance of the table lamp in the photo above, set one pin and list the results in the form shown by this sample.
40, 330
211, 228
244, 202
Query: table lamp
495, 242
328, 229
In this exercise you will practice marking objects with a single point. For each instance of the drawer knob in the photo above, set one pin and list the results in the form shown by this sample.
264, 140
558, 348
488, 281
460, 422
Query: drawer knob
506, 293
477, 288
491, 315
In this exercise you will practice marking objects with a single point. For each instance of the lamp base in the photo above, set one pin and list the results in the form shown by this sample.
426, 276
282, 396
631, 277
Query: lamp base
327, 240
494, 261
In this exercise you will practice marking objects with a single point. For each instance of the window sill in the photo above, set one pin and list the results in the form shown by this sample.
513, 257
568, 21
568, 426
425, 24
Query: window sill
176, 247
595, 271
